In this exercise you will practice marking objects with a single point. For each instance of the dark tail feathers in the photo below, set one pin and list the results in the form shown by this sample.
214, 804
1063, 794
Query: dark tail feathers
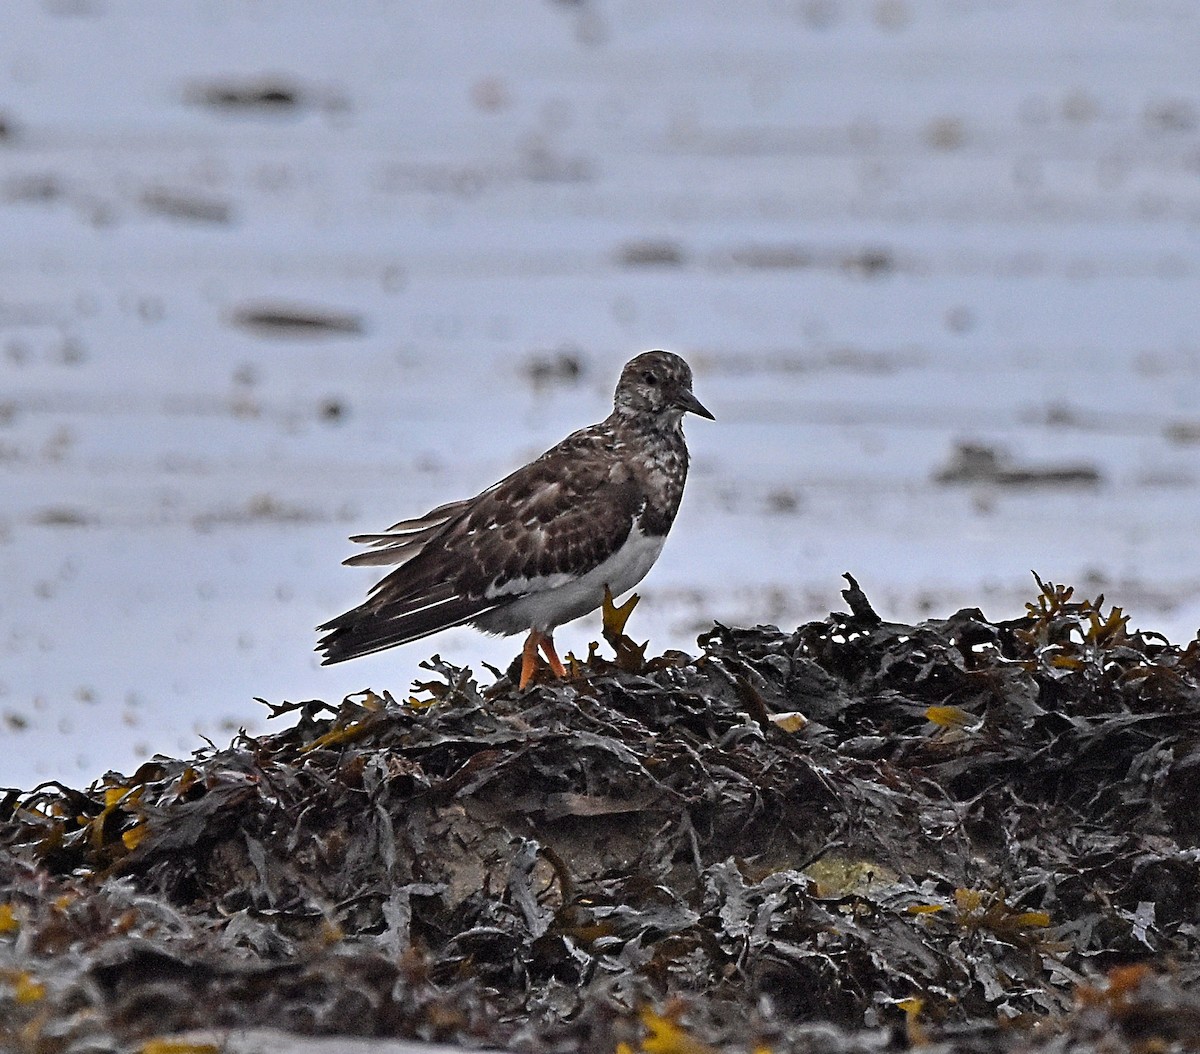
361, 630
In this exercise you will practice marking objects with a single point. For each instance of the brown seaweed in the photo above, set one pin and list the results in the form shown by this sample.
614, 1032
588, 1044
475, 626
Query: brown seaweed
856, 835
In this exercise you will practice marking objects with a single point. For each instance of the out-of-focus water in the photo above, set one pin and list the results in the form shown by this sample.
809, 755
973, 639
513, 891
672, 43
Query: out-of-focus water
878, 230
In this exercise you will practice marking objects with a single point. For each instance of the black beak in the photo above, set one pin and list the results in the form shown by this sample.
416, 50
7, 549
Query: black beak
687, 402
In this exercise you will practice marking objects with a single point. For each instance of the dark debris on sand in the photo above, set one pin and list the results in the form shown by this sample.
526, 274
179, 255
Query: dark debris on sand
853, 837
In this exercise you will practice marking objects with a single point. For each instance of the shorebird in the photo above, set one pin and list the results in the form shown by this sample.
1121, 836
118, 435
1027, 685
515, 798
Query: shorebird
538, 548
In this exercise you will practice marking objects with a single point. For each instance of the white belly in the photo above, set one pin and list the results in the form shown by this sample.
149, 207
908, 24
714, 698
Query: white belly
559, 598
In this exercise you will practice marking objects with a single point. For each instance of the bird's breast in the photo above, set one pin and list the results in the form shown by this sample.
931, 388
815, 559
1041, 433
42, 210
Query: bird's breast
662, 478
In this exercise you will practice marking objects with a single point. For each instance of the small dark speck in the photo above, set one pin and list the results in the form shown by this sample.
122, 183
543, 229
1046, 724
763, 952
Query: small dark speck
782, 502
651, 254
960, 319
186, 205
871, 263
265, 95
1060, 415
946, 133
820, 14
564, 366
1172, 115
1183, 433
269, 97
60, 516
976, 463
282, 320
16, 722
245, 375
36, 189
72, 351
333, 410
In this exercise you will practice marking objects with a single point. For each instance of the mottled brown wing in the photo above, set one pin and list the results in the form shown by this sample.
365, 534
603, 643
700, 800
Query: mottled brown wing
404, 540
566, 512
561, 515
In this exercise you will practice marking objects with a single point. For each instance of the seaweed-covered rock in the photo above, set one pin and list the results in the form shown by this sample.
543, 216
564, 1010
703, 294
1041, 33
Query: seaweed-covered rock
849, 836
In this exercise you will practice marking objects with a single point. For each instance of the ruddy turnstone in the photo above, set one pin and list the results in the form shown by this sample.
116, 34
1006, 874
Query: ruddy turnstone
538, 548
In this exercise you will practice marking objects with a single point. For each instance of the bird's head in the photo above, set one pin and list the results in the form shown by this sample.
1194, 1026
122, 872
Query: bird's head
658, 384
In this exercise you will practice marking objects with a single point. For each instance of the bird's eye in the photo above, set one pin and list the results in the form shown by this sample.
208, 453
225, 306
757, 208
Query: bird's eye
650, 378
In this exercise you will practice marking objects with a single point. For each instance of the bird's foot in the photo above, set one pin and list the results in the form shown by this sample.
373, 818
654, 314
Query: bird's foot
547, 643
614, 616
529, 657
631, 656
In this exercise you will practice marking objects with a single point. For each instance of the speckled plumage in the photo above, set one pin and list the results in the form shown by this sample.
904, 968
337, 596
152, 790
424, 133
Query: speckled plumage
536, 549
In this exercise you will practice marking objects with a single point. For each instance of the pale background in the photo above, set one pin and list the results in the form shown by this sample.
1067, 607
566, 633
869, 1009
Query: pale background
877, 228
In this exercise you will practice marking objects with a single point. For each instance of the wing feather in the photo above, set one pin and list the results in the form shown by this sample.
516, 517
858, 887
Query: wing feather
362, 631
560, 515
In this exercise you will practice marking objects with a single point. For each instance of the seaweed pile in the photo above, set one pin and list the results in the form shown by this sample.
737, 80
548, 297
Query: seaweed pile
857, 836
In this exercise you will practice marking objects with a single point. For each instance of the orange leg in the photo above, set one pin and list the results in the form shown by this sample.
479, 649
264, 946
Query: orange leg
552, 658
529, 658
529, 655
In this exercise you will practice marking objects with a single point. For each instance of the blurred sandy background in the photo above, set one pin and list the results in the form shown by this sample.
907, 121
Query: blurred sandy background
277, 271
